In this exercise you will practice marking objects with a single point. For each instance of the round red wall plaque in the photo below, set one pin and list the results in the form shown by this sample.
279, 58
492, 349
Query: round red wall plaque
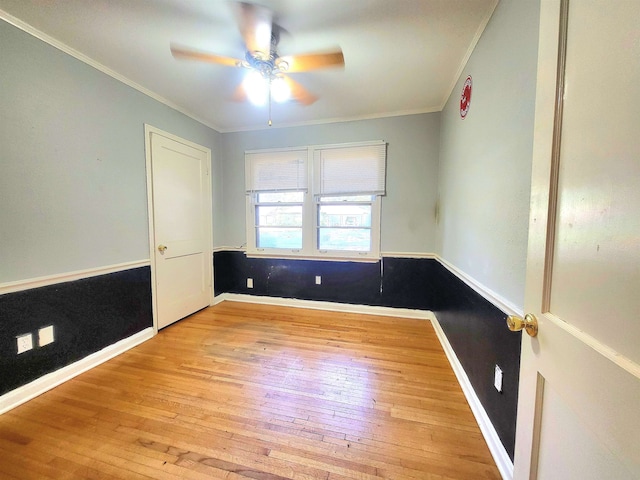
465, 98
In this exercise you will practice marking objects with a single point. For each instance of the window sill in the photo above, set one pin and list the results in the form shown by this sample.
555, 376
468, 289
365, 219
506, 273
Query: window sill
324, 258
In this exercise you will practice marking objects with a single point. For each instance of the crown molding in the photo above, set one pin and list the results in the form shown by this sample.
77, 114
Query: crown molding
27, 28
467, 56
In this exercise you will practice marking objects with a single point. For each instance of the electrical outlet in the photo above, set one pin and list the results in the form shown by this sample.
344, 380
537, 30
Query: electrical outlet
45, 336
249, 282
25, 343
318, 279
497, 379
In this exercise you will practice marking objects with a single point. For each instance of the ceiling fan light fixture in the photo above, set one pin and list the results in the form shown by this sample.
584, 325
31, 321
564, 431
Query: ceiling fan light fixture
267, 78
281, 64
256, 87
280, 91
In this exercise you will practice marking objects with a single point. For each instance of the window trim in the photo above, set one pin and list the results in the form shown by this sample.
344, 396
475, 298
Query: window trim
310, 227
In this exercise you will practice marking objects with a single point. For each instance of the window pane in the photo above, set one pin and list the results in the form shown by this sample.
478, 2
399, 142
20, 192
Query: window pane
279, 216
285, 197
269, 237
344, 215
354, 239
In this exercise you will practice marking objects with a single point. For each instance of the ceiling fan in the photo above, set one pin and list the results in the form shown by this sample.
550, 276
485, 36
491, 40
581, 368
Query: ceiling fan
267, 70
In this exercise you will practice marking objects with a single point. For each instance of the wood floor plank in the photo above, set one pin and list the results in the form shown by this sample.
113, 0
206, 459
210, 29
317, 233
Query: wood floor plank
246, 391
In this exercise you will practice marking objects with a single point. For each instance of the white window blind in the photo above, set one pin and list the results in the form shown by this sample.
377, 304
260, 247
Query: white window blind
351, 170
276, 171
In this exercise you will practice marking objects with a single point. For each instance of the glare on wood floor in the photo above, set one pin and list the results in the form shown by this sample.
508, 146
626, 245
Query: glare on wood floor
243, 391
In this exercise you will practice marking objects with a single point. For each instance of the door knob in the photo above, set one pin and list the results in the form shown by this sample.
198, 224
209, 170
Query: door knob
162, 248
529, 323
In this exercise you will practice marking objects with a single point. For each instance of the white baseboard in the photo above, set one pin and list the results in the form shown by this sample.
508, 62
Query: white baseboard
500, 455
330, 306
25, 393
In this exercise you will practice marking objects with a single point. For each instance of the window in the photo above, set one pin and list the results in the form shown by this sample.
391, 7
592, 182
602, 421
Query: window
339, 216
344, 223
279, 220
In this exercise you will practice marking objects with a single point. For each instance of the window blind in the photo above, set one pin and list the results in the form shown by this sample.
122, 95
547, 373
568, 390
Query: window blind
276, 171
351, 170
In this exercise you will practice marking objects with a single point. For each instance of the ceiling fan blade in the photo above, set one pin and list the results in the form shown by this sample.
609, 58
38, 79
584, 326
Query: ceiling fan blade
312, 61
298, 92
189, 54
239, 94
255, 22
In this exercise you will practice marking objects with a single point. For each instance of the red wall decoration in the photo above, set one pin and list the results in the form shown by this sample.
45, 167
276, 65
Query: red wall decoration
465, 98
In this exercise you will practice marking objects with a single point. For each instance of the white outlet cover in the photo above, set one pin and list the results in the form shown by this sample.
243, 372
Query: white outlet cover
497, 379
318, 279
45, 336
249, 282
25, 343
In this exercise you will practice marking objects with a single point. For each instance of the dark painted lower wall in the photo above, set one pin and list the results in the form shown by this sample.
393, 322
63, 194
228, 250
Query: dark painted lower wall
475, 327
477, 332
87, 315
391, 282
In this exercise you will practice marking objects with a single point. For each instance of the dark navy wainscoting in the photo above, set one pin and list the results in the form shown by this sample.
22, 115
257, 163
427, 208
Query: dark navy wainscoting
87, 315
478, 333
345, 282
475, 328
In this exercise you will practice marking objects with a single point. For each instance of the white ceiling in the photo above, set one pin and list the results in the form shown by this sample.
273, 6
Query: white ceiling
401, 56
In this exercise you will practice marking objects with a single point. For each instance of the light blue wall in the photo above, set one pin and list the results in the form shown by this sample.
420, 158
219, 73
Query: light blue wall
73, 184
485, 159
72, 162
408, 220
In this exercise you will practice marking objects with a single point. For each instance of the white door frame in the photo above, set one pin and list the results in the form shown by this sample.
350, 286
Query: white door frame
148, 130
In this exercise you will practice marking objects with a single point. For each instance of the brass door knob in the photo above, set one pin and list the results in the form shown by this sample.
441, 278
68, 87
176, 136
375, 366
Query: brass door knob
162, 248
529, 323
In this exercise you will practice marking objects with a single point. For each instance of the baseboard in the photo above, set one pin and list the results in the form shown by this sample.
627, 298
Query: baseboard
330, 306
25, 393
500, 455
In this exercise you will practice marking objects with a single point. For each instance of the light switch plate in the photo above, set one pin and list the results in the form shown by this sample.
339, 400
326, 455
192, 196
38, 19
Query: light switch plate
45, 336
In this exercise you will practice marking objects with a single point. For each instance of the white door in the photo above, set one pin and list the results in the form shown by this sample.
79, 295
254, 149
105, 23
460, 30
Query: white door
181, 225
579, 398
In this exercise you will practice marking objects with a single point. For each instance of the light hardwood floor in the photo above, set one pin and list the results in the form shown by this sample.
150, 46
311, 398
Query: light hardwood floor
243, 391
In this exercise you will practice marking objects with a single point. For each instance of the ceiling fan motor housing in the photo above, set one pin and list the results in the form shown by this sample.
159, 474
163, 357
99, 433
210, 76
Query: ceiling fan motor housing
269, 66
